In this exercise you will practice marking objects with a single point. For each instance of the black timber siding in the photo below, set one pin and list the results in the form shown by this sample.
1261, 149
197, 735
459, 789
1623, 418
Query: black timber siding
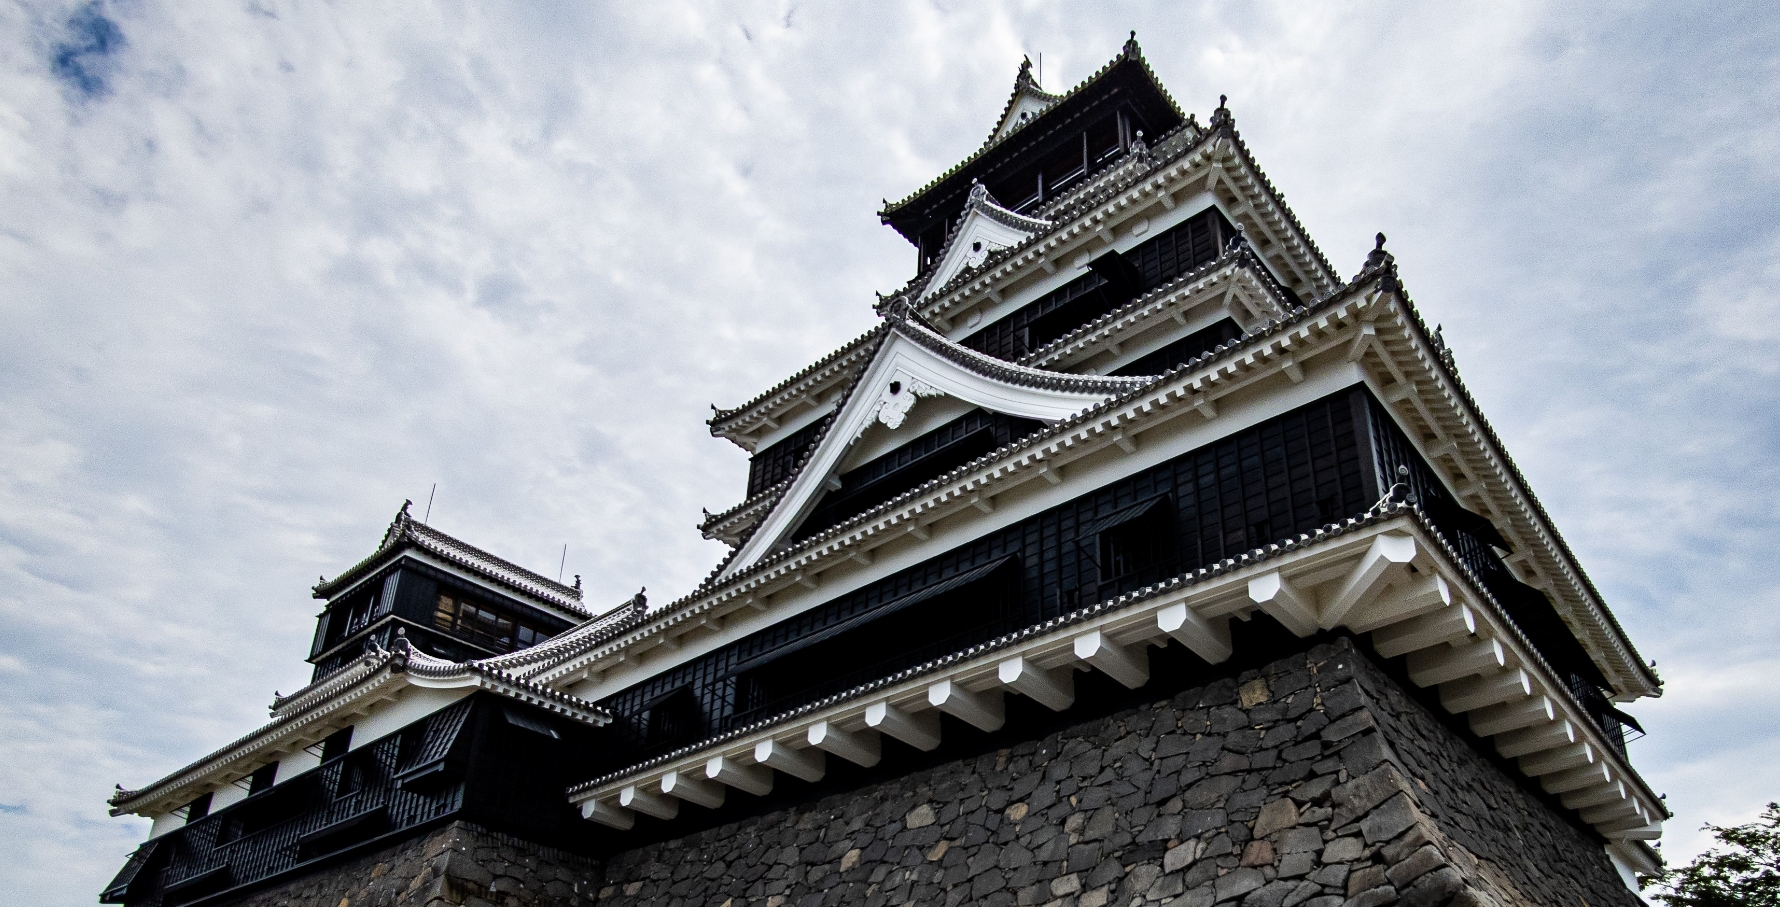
775, 464
1292, 474
409, 590
470, 760
1150, 264
932, 453
1182, 351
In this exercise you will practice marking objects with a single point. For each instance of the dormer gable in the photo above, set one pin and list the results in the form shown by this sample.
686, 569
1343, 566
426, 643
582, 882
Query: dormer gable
912, 366
985, 227
1024, 105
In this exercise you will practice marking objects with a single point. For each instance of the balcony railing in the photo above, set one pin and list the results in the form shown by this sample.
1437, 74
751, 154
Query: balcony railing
387, 785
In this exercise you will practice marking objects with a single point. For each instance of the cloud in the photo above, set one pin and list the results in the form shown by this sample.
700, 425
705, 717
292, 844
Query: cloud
291, 264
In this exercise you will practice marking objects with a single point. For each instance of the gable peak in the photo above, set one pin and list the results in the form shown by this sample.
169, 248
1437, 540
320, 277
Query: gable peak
1028, 100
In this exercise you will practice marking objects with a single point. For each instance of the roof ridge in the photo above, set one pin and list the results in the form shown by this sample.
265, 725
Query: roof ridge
1237, 253
1123, 55
1024, 83
719, 417
406, 529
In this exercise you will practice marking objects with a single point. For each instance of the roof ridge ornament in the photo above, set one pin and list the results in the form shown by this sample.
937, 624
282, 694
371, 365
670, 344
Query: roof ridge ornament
1378, 257
1221, 115
1240, 240
1131, 50
1380, 260
979, 194
1140, 150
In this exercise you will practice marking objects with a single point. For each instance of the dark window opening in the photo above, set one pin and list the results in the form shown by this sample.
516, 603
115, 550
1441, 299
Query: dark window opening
1130, 547
262, 778
673, 718
356, 774
197, 809
484, 624
346, 617
336, 745
537, 725
936, 620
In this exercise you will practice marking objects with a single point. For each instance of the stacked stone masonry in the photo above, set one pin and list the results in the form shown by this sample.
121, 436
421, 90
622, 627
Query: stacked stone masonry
1314, 781
460, 865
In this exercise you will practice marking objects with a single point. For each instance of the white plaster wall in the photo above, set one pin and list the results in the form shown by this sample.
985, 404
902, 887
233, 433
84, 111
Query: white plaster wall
927, 414
410, 705
227, 794
167, 822
293, 764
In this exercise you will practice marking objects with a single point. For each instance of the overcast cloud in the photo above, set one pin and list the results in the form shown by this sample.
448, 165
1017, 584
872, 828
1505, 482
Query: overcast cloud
268, 269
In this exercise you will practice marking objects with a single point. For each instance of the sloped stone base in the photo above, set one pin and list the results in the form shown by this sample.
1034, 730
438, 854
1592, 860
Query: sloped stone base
460, 864
1314, 781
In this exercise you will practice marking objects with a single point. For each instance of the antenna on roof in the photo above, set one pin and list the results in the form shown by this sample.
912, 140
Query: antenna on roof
429, 503
562, 563
1041, 68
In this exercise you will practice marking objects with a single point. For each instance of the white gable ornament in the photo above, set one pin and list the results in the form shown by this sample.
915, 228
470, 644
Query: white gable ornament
985, 227
898, 398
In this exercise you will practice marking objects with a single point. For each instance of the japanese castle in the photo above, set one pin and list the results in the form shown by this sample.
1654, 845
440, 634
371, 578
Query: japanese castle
1134, 556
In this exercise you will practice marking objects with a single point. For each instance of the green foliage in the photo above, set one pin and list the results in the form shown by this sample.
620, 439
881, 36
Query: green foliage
1743, 873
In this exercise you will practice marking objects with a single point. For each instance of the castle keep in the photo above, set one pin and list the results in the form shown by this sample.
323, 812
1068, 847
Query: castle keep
1134, 557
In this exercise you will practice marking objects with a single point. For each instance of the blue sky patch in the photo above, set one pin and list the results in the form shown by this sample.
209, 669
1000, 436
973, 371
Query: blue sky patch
82, 59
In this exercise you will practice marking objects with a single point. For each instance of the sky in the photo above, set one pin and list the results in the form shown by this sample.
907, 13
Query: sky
269, 269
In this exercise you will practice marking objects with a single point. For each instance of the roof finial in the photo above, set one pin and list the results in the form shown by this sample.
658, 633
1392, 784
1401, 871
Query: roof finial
979, 193
577, 582
406, 503
1138, 147
1378, 257
1222, 114
1132, 51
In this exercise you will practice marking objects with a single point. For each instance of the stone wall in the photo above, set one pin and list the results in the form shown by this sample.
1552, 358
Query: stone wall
460, 864
1314, 781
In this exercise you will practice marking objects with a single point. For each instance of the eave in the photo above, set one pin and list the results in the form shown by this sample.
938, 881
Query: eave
1349, 324
731, 525
313, 713
1387, 574
1179, 167
939, 366
406, 533
1129, 64
1237, 275
805, 389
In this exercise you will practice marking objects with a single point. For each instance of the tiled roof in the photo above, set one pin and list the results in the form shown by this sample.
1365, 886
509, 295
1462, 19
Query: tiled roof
1130, 52
1024, 84
721, 420
1382, 277
1240, 255
376, 669
1190, 578
405, 530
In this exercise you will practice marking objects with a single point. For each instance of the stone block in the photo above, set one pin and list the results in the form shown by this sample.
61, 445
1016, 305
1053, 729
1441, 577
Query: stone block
1389, 818
1278, 814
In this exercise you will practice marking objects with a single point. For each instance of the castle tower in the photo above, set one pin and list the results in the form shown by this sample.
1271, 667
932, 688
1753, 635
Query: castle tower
1134, 557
